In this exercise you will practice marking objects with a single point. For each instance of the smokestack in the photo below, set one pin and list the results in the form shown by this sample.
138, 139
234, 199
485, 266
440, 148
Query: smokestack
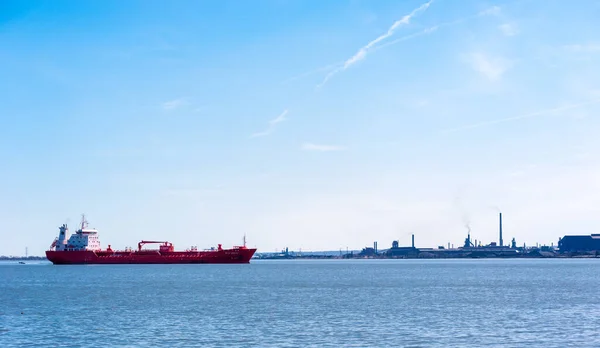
501, 242
375, 247
413, 241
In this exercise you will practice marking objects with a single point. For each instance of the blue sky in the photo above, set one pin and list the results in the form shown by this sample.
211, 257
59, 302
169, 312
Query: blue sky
306, 124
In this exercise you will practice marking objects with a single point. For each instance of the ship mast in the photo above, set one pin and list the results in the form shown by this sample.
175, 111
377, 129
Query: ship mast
84, 222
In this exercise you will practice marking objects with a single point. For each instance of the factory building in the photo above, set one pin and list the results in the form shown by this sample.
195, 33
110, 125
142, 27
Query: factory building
397, 251
569, 244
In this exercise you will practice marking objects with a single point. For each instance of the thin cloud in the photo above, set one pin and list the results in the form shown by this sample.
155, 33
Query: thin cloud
520, 117
322, 148
492, 68
363, 51
272, 124
588, 47
493, 11
174, 104
509, 29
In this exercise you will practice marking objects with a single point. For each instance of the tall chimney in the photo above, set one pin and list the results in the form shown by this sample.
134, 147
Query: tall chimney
501, 243
413, 241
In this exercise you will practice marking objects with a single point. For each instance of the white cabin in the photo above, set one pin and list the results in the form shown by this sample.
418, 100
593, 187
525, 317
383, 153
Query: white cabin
83, 239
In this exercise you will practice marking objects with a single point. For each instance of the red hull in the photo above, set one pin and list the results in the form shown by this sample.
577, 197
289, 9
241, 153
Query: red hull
241, 255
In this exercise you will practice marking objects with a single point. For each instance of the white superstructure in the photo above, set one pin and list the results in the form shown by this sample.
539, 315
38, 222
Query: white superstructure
84, 238
63, 237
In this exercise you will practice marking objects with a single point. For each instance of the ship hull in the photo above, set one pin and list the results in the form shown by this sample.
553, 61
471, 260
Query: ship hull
85, 257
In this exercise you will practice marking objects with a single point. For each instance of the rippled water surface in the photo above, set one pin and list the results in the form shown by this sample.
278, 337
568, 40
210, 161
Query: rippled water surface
330, 303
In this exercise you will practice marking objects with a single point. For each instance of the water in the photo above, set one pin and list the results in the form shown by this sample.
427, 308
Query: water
329, 303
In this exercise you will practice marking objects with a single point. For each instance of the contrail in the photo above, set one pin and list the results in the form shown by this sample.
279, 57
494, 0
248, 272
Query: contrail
362, 52
308, 73
520, 117
272, 124
438, 26
343, 65
408, 37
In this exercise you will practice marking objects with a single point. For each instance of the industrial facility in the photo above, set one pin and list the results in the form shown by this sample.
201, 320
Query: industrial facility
568, 246
469, 249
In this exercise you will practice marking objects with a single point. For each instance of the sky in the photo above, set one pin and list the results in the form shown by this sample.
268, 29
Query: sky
313, 125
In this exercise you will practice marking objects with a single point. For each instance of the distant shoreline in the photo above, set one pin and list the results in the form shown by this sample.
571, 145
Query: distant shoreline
380, 257
23, 258
416, 254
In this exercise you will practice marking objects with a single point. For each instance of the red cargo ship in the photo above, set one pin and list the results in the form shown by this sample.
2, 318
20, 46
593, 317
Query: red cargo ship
83, 247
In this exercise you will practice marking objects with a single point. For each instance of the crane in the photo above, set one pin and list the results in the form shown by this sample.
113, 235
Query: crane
164, 243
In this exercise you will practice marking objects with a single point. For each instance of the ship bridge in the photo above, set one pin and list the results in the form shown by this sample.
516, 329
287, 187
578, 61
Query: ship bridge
84, 238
